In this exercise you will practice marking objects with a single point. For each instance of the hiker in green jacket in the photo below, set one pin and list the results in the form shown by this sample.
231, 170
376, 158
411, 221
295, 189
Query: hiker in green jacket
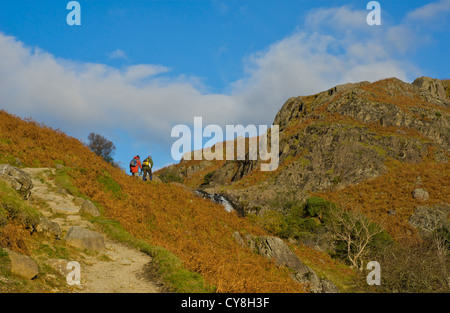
147, 168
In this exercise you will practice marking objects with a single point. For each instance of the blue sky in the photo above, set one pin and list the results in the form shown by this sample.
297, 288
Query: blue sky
134, 69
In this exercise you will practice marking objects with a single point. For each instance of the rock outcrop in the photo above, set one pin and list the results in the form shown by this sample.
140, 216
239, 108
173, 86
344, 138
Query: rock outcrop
17, 179
431, 88
275, 249
427, 219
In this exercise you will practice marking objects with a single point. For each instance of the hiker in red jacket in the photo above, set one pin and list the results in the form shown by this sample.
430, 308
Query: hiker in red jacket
135, 165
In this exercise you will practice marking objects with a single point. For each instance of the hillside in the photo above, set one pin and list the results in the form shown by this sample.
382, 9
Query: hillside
369, 148
367, 158
190, 240
340, 141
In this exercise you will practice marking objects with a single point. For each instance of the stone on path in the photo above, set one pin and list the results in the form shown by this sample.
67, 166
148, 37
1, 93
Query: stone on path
85, 239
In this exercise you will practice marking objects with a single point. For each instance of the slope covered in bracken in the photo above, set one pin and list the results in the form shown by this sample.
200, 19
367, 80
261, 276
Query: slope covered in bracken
197, 231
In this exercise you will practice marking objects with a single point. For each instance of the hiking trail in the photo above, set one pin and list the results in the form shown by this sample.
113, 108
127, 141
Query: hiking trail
118, 269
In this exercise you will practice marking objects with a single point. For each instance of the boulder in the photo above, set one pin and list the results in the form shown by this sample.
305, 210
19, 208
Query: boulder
85, 239
47, 226
22, 265
275, 249
156, 179
86, 206
420, 194
89, 208
17, 179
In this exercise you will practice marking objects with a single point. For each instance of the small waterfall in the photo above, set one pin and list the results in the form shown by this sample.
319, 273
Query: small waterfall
217, 198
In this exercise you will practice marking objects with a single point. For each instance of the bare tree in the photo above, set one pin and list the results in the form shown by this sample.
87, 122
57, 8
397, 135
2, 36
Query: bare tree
356, 231
101, 146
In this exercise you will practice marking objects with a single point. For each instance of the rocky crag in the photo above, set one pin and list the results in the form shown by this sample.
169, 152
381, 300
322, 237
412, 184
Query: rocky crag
340, 138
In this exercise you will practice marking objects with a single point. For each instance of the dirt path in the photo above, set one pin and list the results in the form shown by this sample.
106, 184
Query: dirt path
119, 269
124, 271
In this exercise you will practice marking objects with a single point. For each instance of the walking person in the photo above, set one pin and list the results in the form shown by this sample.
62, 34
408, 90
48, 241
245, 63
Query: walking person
147, 166
135, 165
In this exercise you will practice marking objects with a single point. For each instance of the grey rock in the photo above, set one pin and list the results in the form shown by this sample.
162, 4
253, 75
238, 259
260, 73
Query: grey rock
47, 226
237, 237
420, 194
328, 287
78, 201
427, 219
275, 249
66, 210
17, 179
85, 239
89, 208
22, 265
432, 86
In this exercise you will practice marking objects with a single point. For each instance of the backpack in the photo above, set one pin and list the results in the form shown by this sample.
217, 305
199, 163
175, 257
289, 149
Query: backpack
148, 162
133, 163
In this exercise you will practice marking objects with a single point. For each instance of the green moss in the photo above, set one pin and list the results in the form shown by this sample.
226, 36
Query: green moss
381, 152
55, 251
336, 180
5, 141
9, 159
14, 207
65, 181
5, 263
110, 185
169, 176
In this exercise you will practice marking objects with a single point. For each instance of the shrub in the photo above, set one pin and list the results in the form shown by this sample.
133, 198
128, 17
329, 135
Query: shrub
207, 178
414, 267
271, 221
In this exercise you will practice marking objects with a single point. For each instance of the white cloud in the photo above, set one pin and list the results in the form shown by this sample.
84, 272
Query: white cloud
35, 83
118, 54
335, 46
430, 11
340, 18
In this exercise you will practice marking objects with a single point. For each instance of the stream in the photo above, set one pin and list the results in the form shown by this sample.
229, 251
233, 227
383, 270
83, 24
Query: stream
217, 198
